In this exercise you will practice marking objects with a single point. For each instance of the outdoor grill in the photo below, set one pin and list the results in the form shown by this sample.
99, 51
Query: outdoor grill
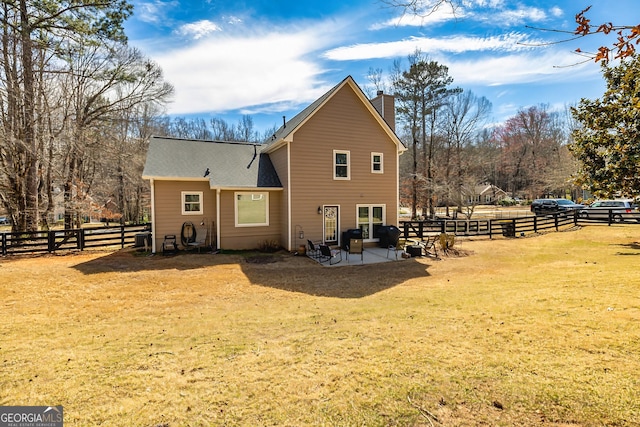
389, 235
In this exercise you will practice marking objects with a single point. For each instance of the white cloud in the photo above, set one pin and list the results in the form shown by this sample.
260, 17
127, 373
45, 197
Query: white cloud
222, 72
229, 65
495, 4
557, 12
440, 15
518, 16
493, 12
155, 11
233, 20
517, 69
456, 44
198, 29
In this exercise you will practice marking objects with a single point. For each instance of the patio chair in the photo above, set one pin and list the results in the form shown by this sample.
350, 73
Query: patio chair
193, 238
395, 247
328, 254
429, 246
356, 246
201, 239
425, 247
313, 251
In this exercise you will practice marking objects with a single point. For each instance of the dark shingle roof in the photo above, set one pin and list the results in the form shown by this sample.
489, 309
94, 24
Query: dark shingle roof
230, 164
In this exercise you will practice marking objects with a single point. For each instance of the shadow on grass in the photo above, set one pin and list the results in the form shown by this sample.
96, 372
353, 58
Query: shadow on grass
635, 246
131, 260
355, 281
281, 271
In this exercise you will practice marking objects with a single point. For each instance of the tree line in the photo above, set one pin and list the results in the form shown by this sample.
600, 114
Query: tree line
78, 105
453, 148
77, 108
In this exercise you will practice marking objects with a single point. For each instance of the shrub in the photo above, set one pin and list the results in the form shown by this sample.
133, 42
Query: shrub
269, 246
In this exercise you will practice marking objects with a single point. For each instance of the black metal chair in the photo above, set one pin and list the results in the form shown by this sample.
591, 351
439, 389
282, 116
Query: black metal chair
328, 254
313, 251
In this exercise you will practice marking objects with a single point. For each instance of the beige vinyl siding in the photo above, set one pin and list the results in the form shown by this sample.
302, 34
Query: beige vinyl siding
345, 124
235, 238
279, 159
168, 207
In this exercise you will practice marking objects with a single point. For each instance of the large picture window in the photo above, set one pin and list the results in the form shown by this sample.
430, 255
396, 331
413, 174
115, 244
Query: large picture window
341, 167
370, 217
192, 203
252, 209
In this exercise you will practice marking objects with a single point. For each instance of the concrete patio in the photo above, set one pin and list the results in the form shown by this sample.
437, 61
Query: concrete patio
370, 255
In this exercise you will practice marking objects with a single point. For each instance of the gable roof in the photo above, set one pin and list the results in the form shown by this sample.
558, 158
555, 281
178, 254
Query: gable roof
286, 132
230, 164
481, 189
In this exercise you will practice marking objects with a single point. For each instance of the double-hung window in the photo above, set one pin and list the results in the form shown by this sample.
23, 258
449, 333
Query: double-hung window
192, 203
252, 209
376, 163
341, 165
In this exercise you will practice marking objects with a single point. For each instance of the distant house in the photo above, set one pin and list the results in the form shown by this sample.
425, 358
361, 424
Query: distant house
486, 194
87, 209
331, 168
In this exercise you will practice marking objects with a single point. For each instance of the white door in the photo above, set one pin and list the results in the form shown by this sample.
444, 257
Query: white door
331, 225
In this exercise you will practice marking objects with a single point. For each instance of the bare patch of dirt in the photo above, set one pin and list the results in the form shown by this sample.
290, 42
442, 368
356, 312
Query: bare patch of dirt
263, 259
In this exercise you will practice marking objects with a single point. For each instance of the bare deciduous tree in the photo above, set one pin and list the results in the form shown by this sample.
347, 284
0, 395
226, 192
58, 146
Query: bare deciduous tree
465, 115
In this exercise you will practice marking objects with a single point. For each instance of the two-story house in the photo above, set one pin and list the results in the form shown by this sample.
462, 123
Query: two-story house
332, 167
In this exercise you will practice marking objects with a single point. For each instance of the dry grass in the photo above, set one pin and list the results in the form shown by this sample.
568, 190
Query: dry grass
529, 331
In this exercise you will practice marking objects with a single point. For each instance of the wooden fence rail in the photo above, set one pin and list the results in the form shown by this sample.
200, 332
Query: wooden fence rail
71, 239
510, 227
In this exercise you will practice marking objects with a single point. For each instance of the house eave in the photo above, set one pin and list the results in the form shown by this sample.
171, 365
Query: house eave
239, 188
174, 178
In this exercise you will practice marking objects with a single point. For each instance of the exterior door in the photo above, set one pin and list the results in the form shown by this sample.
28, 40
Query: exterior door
370, 218
331, 225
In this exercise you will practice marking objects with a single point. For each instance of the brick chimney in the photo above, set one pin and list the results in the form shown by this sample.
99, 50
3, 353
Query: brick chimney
385, 104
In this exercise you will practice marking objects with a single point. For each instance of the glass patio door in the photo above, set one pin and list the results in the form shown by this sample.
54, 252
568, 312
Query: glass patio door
331, 225
370, 217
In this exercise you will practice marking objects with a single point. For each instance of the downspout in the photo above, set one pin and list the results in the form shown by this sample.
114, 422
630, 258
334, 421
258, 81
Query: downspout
290, 248
398, 187
153, 215
218, 218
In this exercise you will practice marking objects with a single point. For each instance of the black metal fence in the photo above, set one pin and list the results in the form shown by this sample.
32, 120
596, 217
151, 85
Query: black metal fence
509, 227
73, 239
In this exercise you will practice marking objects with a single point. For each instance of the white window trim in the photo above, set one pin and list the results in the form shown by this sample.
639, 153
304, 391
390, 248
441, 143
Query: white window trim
200, 195
381, 163
252, 193
348, 165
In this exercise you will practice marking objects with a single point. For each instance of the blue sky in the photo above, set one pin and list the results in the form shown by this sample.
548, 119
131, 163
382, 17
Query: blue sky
271, 58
